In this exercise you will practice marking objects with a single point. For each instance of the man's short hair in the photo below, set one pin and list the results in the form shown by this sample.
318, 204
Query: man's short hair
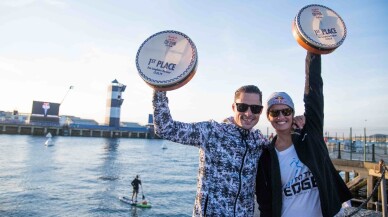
248, 89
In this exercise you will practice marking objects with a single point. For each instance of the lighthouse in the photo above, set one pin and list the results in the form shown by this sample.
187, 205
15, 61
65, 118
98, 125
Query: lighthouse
113, 103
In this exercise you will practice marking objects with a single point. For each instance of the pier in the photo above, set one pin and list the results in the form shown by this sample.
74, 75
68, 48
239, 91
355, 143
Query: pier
42, 129
364, 173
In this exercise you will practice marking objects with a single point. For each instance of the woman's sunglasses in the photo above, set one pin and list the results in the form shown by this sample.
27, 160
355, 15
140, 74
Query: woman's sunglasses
255, 109
276, 113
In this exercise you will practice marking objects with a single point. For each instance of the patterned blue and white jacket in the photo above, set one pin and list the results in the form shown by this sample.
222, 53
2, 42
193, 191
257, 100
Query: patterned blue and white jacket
228, 157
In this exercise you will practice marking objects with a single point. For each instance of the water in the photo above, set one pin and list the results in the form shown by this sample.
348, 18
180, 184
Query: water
80, 176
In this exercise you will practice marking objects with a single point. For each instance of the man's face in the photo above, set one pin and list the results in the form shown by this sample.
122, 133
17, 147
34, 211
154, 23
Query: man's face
247, 119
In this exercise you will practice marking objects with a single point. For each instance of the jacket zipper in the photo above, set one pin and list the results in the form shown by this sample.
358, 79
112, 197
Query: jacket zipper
239, 175
205, 208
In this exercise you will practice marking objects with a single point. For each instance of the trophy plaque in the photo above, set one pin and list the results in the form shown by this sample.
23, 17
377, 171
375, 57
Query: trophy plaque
167, 60
318, 29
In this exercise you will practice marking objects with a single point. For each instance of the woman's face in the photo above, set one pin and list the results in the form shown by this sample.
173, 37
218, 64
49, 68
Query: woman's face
281, 117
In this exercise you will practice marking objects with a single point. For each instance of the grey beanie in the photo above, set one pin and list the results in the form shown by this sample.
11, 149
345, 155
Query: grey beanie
279, 98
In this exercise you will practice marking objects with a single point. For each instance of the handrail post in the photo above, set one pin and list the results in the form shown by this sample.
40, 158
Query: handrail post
383, 190
373, 153
339, 150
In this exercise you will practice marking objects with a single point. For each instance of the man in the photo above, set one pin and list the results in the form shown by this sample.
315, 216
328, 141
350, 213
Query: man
135, 184
228, 153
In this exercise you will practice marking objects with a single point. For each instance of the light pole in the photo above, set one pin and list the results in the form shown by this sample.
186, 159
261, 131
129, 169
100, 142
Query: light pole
70, 88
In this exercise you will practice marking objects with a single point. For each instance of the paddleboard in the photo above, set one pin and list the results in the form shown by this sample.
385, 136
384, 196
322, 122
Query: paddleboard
128, 200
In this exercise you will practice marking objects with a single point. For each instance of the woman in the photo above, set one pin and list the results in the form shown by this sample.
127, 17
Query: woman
295, 176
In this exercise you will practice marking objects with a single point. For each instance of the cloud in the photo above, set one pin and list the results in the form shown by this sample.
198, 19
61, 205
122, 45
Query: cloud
17, 3
57, 3
8, 67
25, 3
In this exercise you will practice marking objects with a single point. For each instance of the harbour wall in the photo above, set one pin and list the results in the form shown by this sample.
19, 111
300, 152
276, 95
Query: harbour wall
77, 130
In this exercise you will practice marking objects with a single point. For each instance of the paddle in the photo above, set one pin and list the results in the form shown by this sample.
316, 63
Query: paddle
142, 192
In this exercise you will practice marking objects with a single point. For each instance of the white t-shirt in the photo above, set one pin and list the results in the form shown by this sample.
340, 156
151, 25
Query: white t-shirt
300, 193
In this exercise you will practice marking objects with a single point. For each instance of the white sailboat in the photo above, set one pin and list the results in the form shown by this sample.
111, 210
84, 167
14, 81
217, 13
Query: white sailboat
49, 141
164, 146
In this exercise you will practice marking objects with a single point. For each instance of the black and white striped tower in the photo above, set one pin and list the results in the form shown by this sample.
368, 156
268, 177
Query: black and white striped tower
113, 104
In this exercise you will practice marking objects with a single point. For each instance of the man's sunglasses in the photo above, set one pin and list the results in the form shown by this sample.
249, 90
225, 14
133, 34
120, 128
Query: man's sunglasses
255, 109
276, 113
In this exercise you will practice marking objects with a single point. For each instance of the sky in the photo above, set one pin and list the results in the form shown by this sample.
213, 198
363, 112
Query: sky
46, 46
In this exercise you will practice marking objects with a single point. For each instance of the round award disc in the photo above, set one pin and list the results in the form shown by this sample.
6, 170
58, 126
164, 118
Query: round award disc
318, 29
167, 60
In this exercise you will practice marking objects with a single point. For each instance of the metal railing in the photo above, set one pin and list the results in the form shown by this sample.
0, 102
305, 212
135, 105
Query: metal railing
371, 152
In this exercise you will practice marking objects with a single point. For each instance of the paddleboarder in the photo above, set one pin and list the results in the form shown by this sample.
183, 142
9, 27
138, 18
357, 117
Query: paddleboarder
135, 184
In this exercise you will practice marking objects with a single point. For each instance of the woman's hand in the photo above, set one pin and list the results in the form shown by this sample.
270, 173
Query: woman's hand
299, 122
